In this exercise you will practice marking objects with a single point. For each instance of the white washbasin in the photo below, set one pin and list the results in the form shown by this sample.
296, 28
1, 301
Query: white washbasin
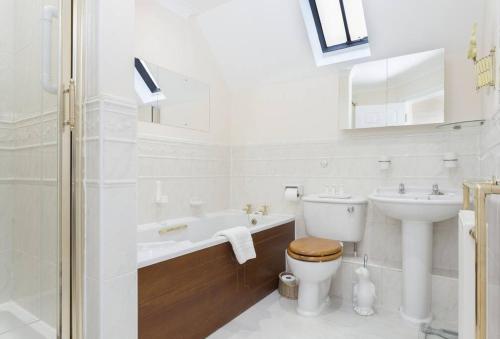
418, 209
417, 204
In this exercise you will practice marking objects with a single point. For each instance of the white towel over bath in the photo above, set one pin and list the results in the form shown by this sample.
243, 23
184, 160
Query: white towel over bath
241, 241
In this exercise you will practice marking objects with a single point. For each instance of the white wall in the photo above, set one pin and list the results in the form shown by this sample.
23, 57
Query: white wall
189, 164
307, 108
177, 44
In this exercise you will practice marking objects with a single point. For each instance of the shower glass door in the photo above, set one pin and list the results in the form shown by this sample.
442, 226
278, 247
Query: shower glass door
30, 185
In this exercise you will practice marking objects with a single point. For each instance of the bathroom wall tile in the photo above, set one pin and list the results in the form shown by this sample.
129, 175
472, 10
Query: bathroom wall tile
186, 170
26, 225
120, 163
26, 277
49, 293
392, 288
6, 217
92, 232
92, 163
6, 275
49, 163
118, 257
445, 245
93, 310
343, 282
444, 299
49, 228
111, 218
351, 162
119, 307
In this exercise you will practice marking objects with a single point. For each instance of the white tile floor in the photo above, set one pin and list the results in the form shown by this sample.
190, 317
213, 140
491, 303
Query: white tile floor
275, 317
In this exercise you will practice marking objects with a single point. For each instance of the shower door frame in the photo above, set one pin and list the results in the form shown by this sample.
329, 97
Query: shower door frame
71, 197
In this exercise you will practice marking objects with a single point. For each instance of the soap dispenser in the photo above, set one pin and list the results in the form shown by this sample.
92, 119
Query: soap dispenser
364, 291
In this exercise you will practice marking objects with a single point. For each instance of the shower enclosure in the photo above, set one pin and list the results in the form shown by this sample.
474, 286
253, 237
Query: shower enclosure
35, 167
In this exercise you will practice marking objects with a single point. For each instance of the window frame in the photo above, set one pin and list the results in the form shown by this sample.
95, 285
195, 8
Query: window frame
146, 76
321, 35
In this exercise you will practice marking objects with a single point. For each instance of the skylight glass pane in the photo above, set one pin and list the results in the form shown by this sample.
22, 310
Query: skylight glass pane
330, 15
355, 19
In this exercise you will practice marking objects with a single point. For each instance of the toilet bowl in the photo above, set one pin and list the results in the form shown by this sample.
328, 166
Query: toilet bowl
314, 261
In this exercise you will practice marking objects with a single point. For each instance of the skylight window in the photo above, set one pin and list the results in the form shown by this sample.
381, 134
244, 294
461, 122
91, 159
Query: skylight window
339, 23
146, 87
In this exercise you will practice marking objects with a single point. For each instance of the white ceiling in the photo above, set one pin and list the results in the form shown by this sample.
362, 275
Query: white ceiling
257, 41
187, 8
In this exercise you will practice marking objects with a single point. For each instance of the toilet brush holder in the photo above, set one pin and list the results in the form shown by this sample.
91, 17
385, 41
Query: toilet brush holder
288, 286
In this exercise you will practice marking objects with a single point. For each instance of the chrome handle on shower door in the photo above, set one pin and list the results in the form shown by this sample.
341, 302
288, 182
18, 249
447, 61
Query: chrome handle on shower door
49, 13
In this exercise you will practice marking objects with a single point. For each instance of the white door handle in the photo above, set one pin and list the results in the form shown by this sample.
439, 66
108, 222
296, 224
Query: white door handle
49, 13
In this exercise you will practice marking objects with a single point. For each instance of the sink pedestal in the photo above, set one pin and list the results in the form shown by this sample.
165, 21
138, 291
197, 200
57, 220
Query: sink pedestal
417, 271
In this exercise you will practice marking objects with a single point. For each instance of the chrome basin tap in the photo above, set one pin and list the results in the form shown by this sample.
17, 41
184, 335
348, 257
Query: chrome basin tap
435, 190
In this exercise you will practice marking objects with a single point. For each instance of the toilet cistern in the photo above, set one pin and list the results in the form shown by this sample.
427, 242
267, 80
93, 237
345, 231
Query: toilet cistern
315, 259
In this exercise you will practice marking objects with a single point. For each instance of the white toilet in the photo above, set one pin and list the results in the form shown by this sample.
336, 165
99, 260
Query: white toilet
315, 259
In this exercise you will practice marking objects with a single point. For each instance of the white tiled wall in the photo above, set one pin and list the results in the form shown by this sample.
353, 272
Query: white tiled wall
111, 180
186, 171
389, 284
6, 210
260, 173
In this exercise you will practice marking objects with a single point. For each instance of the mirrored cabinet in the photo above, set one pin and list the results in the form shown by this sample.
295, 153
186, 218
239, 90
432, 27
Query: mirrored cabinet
401, 91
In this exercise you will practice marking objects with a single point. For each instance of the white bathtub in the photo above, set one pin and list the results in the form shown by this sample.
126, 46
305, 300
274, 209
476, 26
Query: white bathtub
185, 235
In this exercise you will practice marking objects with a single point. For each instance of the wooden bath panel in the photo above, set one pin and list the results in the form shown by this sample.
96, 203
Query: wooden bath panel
193, 295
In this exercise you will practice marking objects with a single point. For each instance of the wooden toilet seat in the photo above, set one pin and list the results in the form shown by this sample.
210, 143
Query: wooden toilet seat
314, 249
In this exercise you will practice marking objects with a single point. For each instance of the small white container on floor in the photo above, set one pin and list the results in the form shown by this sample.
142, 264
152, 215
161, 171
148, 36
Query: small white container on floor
364, 292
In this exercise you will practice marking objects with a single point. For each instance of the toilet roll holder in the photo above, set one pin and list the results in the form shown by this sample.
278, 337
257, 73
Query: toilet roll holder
299, 188
480, 190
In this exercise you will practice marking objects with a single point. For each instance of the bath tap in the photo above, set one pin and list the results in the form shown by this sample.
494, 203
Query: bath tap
247, 209
402, 189
264, 210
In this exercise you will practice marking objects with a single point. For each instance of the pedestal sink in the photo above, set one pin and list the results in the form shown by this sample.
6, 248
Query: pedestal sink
417, 208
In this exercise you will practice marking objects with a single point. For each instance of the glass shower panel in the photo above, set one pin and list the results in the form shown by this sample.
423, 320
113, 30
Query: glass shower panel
29, 232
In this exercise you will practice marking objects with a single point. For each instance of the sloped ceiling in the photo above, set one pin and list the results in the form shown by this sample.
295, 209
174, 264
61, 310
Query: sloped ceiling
257, 41
188, 8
